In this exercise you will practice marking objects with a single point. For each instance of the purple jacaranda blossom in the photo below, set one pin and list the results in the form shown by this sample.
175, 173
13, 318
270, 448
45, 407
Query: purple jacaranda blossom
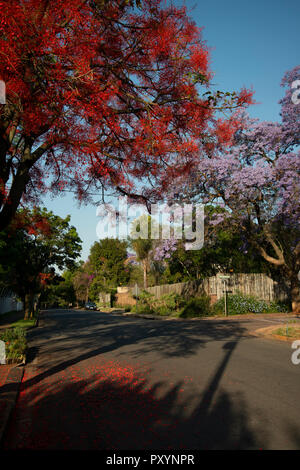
257, 180
165, 249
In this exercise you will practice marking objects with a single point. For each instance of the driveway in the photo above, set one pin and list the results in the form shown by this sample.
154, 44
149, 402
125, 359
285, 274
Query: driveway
102, 381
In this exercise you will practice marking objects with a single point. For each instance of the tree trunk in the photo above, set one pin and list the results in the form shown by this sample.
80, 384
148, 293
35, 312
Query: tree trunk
295, 293
26, 303
36, 303
32, 306
17, 189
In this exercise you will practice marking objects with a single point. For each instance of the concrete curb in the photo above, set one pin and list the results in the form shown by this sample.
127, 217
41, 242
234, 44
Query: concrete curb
269, 316
8, 397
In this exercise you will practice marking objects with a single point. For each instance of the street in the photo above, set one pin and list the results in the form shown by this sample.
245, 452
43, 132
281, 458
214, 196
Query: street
107, 381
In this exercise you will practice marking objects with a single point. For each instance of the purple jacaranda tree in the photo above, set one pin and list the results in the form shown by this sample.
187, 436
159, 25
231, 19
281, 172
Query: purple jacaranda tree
165, 249
256, 180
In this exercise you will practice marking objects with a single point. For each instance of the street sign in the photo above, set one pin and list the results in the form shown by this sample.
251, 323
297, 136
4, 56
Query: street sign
224, 277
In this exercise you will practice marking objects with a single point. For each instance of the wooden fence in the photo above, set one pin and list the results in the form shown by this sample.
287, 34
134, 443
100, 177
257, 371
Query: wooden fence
125, 298
258, 285
104, 299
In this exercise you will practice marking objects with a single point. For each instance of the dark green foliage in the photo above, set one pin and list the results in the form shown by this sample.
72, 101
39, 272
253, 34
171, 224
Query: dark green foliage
107, 264
223, 250
32, 248
197, 307
61, 292
168, 304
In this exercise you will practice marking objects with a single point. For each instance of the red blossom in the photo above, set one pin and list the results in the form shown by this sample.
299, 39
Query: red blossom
99, 93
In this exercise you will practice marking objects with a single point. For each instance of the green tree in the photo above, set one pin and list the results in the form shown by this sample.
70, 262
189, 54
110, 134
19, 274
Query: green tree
224, 249
60, 292
107, 264
36, 244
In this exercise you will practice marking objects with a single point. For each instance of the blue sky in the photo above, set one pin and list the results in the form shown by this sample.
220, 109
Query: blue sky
252, 44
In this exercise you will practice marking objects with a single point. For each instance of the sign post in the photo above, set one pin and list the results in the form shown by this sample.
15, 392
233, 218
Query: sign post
225, 291
136, 293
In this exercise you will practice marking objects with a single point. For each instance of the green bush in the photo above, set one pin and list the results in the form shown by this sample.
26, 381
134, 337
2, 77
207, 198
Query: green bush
173, 304
15, 343
142, 309
145, 304
126, 308
196, 307
275, 307
168, 304
239, 304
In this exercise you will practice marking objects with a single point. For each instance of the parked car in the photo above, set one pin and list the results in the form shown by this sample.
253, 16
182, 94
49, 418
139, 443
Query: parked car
91, 306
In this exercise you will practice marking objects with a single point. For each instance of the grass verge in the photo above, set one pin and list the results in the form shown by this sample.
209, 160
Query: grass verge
16, 319
22, 323
288, 332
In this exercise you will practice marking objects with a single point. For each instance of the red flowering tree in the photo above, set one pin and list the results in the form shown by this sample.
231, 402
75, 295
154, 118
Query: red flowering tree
105, 94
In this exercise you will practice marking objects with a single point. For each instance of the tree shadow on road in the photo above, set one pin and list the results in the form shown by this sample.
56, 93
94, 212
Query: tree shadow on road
66, 341
117, 408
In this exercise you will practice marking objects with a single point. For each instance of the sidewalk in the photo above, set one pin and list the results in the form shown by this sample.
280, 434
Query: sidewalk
11, 376
10, 380
7, 319
4, 371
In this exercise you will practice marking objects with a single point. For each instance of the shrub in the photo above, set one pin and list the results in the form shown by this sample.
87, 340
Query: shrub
142, 308
168, 304
126, 308
196, 307
15, 344
275, 307
239, 304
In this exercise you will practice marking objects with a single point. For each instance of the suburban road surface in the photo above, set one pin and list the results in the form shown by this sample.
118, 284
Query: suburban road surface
107, 381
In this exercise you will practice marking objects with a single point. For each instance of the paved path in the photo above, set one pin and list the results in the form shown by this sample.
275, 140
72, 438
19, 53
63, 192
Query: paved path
6, 320
4, 371
101, 381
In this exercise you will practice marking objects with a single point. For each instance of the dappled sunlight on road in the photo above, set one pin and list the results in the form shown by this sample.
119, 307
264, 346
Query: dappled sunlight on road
94, 381
115, 406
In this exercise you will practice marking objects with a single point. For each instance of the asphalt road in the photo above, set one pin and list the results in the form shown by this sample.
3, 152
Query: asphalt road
102, 381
